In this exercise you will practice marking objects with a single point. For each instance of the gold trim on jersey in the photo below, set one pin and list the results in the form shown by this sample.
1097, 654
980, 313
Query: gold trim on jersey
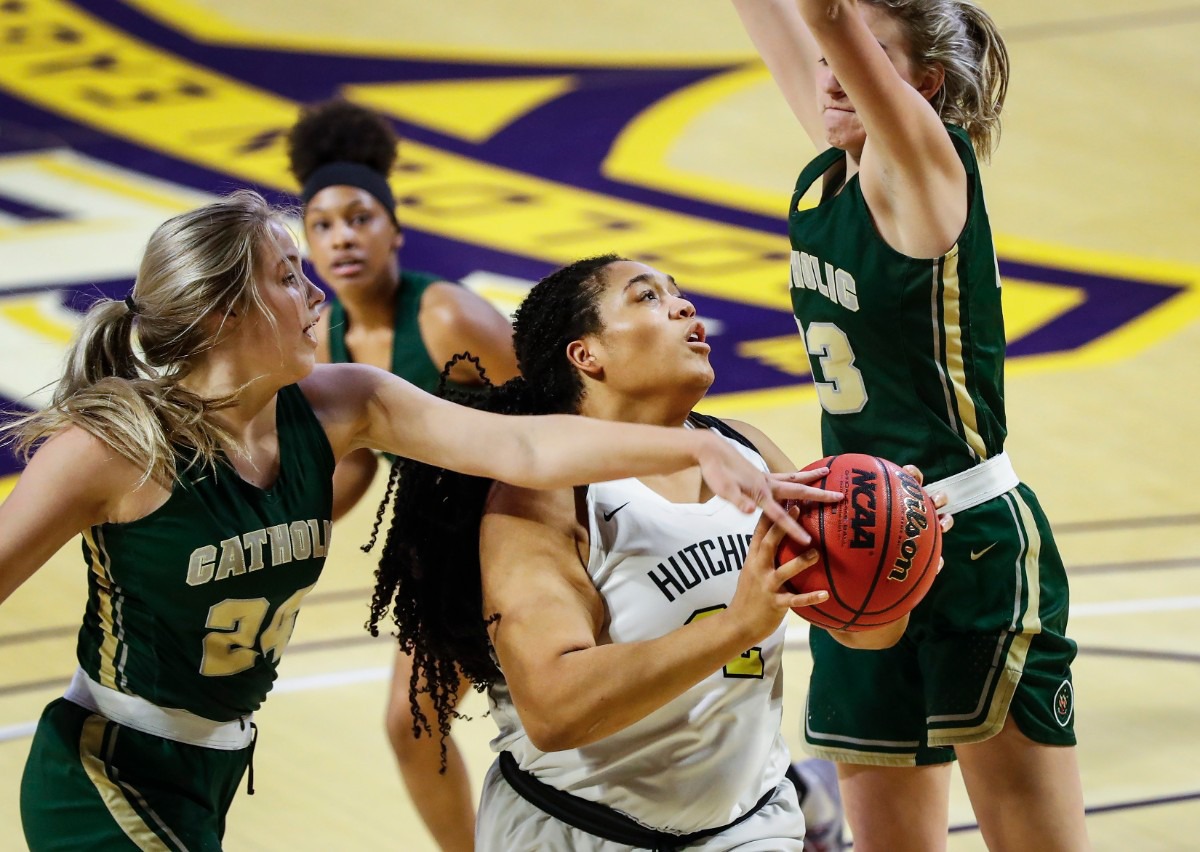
113, 793
953, 370
997, 708
1031, 619
107, 609
852, 754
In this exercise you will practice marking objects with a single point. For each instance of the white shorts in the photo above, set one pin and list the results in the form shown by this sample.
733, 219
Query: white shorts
508, 823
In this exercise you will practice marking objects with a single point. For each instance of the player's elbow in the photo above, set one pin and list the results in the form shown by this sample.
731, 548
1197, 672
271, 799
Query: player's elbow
549, 734
555, 723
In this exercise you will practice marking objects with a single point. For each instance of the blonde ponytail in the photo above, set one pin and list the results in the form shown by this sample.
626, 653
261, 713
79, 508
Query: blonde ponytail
196, 265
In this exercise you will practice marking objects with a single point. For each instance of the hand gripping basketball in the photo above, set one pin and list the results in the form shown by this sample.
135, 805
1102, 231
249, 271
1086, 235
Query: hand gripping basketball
878, 549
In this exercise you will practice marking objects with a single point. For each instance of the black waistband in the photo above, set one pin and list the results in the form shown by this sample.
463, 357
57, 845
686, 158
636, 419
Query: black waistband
601, 820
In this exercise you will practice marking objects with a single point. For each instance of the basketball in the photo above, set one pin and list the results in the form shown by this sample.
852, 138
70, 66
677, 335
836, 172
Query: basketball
878, 548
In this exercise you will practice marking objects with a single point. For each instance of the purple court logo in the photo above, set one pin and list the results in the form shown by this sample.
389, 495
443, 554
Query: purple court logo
112, 120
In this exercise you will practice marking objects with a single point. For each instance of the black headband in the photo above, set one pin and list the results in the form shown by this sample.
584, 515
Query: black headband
351, 174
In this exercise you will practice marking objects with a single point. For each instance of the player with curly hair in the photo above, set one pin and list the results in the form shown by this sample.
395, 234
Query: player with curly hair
410, 323
629, 634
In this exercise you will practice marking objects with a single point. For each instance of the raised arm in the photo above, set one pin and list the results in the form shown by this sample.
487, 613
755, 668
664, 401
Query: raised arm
571, 686
363, 406
911, 175
790, 54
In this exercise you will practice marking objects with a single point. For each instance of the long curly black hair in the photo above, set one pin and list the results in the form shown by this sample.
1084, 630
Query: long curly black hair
340, 131
429, 573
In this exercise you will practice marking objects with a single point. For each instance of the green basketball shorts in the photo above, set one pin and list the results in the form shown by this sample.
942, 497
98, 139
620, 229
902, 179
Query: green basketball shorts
91, 783
987, 642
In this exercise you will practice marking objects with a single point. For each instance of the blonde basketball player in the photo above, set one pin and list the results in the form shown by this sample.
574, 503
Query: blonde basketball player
896, 290
198, 466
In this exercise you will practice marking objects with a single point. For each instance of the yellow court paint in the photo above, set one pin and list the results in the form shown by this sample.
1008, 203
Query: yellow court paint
641, 154
205, 25
473, 110
160, 101
31, 314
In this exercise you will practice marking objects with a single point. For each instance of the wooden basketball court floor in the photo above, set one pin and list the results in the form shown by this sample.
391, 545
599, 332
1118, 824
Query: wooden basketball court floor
545, 131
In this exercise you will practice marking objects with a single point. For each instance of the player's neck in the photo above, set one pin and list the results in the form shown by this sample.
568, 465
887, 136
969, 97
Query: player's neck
371, 307
215, 377
656, 411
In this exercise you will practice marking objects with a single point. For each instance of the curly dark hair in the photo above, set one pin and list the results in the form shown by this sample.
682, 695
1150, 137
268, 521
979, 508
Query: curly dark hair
429, 573
340, 131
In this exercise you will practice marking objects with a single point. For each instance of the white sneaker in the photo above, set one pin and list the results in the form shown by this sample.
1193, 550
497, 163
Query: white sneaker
821, 802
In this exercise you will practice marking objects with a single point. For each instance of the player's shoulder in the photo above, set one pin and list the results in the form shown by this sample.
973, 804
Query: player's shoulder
337, 390
734, 430
441, 294
330, 378
84, 447
81, 462
451, 307
545, 506
757, 440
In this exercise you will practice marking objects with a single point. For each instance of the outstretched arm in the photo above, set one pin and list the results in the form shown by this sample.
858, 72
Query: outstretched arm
911, 175
363, 406
790, 54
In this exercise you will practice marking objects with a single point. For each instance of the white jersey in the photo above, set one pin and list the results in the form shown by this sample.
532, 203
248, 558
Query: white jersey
707, 757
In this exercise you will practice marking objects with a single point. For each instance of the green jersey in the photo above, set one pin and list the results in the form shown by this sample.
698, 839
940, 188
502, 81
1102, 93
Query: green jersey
410, 359
907, 354
192, 606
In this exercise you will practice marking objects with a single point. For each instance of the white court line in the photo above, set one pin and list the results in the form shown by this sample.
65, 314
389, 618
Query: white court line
16, 732
795, 638
1144, 605
324, 681
797, 634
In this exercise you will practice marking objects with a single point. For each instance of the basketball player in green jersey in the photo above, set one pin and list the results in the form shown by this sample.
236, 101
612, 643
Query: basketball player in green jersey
897, 294
410, 324
198, 467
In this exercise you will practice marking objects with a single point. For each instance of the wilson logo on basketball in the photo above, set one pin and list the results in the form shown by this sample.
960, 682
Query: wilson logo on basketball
916, 521
883, 529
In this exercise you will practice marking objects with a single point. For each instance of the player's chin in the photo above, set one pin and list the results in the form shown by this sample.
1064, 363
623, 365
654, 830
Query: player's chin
303, 364
845, 132
700, 376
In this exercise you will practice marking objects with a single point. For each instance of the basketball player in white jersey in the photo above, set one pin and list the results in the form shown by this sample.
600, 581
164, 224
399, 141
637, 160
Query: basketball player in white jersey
630, 633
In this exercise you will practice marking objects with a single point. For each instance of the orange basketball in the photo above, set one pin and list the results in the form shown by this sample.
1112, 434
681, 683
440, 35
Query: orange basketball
878, 547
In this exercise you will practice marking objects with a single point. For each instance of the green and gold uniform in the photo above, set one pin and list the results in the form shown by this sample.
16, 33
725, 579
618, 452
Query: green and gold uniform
907, 356
410, 359
189, 611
